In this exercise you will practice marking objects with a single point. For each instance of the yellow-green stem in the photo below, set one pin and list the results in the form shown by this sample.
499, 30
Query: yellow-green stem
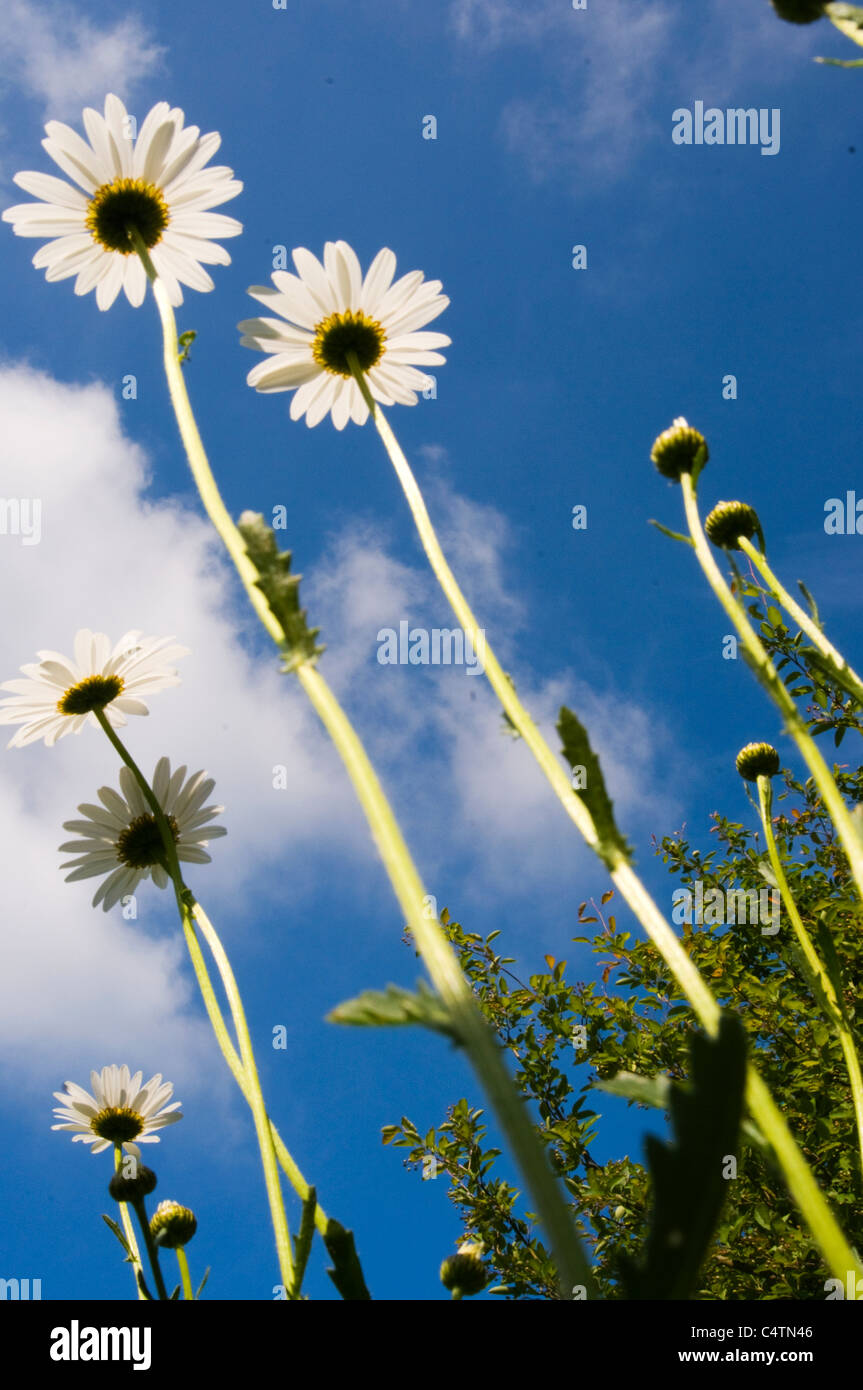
185, 1279
837, 1016
229, 1052
443, 967
769, 678
846, 675
253, 1093
440, 959
813, 1207
128, 1229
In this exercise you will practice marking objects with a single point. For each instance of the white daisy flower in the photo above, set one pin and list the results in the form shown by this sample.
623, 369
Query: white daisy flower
119, 1110
156, 183
329, 311
60, 693
122, 839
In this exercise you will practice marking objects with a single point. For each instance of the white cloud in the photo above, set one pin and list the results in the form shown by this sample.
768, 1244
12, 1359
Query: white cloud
110, 559
76, 983
55, 54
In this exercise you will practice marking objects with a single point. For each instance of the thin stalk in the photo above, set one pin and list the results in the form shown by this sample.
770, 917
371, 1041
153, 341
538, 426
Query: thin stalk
254, 1095
821, 981
185, 1278
769, 678
152, 1252
802, 1185
845, 675
443, 967
128, 1229
438, 955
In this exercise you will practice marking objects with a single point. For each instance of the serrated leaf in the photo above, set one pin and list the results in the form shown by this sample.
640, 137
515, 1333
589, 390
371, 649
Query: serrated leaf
578, 753
280, 588
347, 1273
396, 1007
688, 1186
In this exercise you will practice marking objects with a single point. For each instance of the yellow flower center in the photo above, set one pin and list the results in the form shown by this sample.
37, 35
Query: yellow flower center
93, 693
125, 203
117, 1123
340, 334
140, 844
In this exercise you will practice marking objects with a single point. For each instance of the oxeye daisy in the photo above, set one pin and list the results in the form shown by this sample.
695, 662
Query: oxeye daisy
119, 1111
60, 693
121, 838
155, 183
328, 312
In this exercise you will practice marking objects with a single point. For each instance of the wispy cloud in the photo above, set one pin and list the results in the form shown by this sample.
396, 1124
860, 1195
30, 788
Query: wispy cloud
55, 54
608, 77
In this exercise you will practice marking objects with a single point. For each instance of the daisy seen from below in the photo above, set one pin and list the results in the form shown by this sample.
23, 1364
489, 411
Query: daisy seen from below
60, 693
121, 839
328, 311
156, 183
119, 1111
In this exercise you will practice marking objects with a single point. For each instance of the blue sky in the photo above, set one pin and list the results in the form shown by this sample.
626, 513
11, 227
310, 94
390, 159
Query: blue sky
553, 130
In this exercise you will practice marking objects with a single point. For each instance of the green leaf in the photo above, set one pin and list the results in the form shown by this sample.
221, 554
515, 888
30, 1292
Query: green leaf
578, 753
647, 1090
202, 1283
675, 535
184, 342
347, 1273
175, 1295
688, 1184
280, 588
395, 1007
118, 1233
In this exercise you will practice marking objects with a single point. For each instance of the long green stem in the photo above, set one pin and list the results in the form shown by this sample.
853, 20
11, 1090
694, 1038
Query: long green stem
436, 951
443, 967
770, 679
229, 1052
152, 1252
253, 1094
802, 1185
844, 674
128, 1229
185, 1278
820, 978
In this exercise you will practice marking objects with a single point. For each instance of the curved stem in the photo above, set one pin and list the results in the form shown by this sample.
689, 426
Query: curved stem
845, 675
436, 951
820, 981
198, 462
769, 678
443, 967
815, 1210
253, 1094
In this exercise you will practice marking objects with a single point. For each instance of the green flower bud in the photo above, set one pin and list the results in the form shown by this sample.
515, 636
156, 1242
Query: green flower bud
172, 1225
728, 520
757, 760
799, 11
465, 1273
130, 1189
678, 449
